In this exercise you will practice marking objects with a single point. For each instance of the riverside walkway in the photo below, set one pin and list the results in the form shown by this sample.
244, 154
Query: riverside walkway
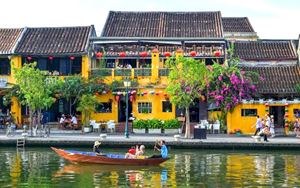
214, 141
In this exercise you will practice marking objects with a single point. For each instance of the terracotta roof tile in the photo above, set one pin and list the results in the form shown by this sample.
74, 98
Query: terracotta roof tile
9, 39
265, 50
55, 40
237, 24
163, 24
277, 80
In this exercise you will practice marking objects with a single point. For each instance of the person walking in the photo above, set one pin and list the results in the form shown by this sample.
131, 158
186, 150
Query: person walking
272, 127
258, 125
296, 128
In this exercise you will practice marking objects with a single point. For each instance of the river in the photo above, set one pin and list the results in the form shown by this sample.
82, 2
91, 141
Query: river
41, 167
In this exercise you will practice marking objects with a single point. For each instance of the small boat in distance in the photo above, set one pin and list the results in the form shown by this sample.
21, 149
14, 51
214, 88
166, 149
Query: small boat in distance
109, 159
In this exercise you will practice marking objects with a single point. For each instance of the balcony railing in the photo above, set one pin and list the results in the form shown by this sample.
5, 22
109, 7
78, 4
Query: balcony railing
102, 72
163, 72
142, 72
122, 72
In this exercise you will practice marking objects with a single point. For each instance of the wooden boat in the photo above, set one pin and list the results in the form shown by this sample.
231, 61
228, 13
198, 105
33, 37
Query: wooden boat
109, 159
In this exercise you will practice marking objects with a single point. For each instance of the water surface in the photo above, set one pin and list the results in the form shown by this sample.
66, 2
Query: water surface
41, 167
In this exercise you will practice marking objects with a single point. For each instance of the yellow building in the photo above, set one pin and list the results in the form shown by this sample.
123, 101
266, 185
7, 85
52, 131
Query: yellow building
276, 62
62, 51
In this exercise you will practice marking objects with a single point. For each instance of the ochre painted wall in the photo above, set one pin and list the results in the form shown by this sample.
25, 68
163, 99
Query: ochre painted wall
235, 120
85, 66
103, 117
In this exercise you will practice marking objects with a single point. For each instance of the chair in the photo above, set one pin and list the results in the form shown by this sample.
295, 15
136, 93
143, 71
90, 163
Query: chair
216, 127
111, 125
96, 126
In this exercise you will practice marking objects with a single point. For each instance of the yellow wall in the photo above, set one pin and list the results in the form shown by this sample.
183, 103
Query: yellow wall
100, 117
85, 66
236, 121
16, 111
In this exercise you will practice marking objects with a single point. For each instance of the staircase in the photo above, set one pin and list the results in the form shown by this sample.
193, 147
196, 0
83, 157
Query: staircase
21, 142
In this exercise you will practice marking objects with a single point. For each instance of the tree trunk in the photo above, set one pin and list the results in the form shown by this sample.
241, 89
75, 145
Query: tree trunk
39, 113
187, 123
30, 121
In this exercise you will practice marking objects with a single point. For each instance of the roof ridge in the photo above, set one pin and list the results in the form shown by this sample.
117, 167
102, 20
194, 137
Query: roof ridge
121, 11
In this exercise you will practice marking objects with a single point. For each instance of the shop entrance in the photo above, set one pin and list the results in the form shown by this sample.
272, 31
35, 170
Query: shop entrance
278, 113
122, 109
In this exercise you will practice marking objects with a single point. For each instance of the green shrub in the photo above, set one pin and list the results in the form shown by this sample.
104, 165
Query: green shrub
155, 124
171, 124
140, 124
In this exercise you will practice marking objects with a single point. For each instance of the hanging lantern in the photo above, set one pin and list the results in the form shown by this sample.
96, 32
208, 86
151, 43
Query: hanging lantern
29, 58
131, 98
286, 115
122, 54
193, 53
167, 54
157, 93
96, 93
217, 53
72, 57
143, 54
99, 54
145, 93
266, 104
286, 125
117, 98
286, 104
50, 57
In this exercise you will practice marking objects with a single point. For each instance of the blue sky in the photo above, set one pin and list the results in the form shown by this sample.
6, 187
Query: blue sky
278, 19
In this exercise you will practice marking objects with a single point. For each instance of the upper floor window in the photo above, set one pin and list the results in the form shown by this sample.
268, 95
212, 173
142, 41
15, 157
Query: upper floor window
145, 107
4, 66
249, 112
166, 106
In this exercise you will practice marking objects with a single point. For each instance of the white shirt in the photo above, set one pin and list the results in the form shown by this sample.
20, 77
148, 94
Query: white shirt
74, 120
62, 119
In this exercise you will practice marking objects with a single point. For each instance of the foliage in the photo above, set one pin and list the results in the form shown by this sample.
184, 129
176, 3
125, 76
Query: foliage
171, 124
140, 124
187, 80
35, 90
87, 105
155, 124
13, 92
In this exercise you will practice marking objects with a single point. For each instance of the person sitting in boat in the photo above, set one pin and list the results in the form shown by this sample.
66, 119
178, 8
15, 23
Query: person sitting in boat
132, 150
163, 150
139, 152
96, 148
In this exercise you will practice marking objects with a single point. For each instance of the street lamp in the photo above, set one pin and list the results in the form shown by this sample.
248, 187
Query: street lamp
127, 84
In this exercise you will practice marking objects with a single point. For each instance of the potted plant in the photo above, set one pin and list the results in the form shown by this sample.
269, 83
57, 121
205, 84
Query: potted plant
237, 132
139, 126
86, 106
155, 126
171, 126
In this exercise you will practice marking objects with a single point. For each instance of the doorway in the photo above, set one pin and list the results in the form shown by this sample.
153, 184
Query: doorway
278, 113
122, 109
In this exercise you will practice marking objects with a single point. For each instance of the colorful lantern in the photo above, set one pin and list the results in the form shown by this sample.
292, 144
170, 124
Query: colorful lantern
122, 54
193, 53
29, 58
72, 57
286, 104
266, 104
117, 98
286, 115
217, 53
131, 98
50, 57
96, 93
144, 54
99, 54
167, 54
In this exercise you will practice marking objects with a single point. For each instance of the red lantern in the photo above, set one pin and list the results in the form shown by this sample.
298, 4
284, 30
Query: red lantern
167, 54
122, 54
193, 53
143, 54
286, 104
72, 57
96, 93
99, 54
50, 57
29, 58
286, 125
266, 104
217, 53
131, 98
117, 98
286, 115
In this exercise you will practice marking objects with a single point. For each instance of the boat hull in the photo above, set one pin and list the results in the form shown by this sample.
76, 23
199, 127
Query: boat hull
81, 158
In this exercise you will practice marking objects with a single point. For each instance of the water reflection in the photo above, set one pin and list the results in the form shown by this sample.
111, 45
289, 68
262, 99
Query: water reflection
43, 168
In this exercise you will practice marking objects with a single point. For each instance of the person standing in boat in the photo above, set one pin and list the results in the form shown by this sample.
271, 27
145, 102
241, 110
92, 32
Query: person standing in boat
163, 150
96, 148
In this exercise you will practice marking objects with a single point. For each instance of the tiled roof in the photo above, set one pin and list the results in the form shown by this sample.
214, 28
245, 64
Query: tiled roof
8, 40
163, 24
265, 50
55, 40
277, 80
237, 24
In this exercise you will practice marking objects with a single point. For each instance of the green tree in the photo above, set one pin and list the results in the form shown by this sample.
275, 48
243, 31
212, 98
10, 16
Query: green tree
187, 80
36, 90
87, 105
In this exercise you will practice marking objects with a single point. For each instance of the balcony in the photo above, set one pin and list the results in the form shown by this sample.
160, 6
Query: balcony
143, 72
102, 72
122, 72
163, 72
